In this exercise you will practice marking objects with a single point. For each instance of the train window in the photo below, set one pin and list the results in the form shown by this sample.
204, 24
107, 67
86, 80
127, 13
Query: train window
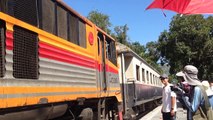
111, 51
62, 22
114, 57
2, 48
77, 30
154, 79
101, 38
28, 7
143, 75
138, 73
151, 80
82, 34
147, 77
73, 28
3, 5
25, 54
47, 16
98, 41
9, 6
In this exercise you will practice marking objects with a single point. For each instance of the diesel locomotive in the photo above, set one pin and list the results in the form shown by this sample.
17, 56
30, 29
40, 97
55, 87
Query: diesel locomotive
56, 64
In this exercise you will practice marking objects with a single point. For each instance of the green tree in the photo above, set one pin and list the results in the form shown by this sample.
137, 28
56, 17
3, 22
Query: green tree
148, 53
188, 41
121, 34
101, 20
138, 48
151, 50
152, 55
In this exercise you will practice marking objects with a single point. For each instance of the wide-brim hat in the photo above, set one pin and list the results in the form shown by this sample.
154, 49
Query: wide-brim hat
190, 75
207, 88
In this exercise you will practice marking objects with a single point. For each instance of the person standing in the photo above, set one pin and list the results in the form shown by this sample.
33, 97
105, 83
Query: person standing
169, 106
211, 86
211, 97
209, 92
197, 102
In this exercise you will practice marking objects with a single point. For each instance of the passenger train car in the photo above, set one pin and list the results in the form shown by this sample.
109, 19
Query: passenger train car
54, 62
139, 82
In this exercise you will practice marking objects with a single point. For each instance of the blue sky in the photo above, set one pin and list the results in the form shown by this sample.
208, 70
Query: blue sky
144, 26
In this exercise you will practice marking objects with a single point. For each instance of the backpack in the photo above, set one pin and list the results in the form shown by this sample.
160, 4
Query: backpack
204, 113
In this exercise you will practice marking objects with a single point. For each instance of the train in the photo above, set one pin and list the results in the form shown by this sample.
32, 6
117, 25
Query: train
55, 64
141, 87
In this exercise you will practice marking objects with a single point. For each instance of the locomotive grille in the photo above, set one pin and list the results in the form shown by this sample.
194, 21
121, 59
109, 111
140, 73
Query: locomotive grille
2, 48
29, 8
25, 59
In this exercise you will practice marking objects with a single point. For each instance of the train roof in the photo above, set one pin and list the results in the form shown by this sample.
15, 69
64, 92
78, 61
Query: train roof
121, 48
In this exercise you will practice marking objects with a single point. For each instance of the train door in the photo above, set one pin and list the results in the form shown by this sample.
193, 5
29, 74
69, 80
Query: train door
102, 77
102, 65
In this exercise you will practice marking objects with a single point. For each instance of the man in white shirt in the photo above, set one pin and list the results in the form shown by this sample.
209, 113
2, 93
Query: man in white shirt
169, 106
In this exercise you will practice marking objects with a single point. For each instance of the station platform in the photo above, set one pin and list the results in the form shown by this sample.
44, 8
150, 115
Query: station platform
156, 114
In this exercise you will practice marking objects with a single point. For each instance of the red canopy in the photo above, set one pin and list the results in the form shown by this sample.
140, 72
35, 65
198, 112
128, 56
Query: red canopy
184, 6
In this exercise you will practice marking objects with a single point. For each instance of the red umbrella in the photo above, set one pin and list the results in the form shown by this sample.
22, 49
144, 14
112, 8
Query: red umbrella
184, 6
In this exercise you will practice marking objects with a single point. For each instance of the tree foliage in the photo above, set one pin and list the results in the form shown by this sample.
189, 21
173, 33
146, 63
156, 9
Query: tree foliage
121, 34
101, 20
152, 53
148, 52
188, 41
138, 48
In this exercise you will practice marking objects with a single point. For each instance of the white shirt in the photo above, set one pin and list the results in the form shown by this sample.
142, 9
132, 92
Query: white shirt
166, 99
